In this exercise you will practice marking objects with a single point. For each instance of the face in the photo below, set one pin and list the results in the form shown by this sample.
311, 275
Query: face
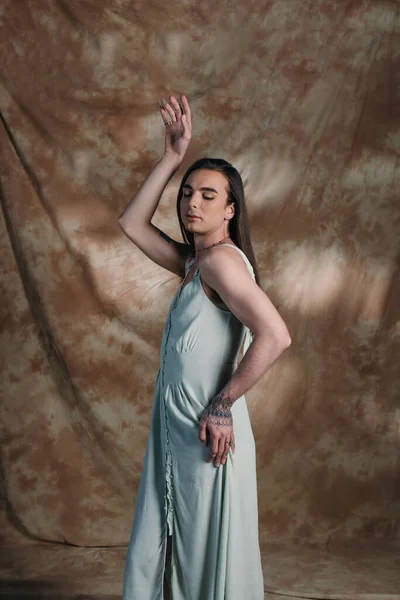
205, 194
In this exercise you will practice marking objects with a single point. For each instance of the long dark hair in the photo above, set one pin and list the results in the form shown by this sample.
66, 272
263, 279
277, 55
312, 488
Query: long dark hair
238, 226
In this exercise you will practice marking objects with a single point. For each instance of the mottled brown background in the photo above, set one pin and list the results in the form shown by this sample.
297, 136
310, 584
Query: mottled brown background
304, 98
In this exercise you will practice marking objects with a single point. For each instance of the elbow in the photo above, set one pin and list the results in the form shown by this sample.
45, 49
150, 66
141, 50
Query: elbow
120, 222
283, 340
132, 230
280, 338
124, 226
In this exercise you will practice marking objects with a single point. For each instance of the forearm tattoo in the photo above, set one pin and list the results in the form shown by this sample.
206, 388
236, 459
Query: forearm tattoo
218, 412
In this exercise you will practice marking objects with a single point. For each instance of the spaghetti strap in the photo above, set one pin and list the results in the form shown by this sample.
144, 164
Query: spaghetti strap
189, 263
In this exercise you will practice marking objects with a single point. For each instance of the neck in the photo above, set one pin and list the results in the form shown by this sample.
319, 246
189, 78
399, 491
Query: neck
199, 248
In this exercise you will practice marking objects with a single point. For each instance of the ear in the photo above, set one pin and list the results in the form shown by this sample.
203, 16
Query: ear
230, 211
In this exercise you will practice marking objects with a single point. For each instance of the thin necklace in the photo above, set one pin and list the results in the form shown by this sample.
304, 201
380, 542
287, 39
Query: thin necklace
216, 244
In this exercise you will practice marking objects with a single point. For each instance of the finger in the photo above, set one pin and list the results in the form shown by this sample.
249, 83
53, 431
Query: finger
181, 105
203, 433
176, 106
169, 110
233, 443
187, 130
214, 444
186, 108
165, 116
226, 452
220, 452
186, 119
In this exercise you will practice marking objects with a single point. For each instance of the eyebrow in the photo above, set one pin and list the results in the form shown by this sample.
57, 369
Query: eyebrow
203, 189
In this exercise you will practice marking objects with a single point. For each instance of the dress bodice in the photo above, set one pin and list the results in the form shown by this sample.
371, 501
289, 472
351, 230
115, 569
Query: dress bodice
199, 332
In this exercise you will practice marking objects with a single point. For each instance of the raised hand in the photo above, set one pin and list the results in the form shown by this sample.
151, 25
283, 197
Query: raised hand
177, 119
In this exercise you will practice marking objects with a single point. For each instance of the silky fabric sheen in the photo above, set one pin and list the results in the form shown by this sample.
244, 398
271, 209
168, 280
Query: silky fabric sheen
210, 512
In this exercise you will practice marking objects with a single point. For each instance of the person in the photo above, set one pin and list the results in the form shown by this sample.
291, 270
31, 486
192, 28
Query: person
195, 528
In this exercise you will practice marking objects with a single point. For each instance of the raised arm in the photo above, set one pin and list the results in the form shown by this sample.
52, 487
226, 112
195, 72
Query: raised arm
135, 220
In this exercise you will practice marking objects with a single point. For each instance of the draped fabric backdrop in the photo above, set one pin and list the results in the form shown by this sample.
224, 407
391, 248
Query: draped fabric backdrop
303, 97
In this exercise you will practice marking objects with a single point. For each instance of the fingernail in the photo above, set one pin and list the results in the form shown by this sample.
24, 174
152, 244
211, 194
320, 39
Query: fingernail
164, 102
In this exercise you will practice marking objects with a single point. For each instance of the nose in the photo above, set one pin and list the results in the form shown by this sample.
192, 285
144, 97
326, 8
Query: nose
192, 200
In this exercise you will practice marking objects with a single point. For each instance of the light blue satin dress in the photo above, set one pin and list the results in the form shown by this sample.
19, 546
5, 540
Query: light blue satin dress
211, 512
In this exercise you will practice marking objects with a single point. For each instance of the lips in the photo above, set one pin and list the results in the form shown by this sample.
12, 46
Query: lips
193, 217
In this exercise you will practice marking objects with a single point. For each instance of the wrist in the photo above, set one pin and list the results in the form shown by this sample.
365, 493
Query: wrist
221, 402
218, 412
172, 159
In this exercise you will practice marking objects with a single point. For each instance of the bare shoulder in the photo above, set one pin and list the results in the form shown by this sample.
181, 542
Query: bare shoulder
227, 273
223, 261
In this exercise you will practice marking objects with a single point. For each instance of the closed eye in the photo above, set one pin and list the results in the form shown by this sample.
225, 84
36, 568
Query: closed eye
187, 195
